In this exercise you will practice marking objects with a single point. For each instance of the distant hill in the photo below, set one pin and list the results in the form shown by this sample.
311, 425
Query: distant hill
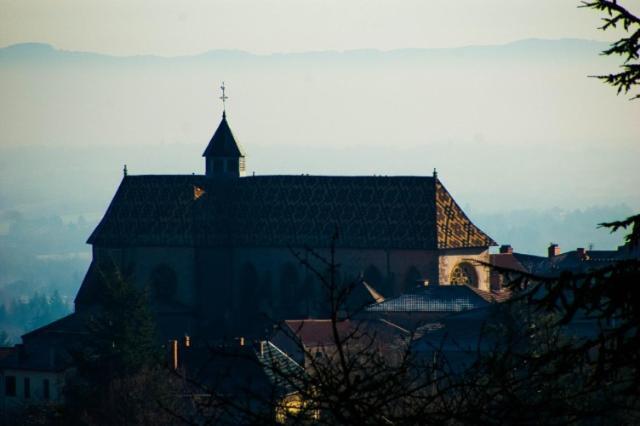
541, 48
533, 149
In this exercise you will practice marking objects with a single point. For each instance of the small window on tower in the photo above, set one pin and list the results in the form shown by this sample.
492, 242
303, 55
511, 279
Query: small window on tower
231, 164
164, 282
217, 165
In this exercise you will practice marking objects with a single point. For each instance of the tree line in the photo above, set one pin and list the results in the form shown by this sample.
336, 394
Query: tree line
21, 315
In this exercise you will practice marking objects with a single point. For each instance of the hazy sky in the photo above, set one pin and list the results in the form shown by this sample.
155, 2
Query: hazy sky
518, 126
171, 27
470, 116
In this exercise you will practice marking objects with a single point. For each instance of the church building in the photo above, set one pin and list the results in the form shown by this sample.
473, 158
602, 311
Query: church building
215, 251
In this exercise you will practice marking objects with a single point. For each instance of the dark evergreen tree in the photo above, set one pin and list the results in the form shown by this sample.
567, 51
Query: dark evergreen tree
120, 374
627, 47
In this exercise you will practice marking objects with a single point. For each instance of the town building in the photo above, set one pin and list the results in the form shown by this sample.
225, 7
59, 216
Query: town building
221, 254
217, 250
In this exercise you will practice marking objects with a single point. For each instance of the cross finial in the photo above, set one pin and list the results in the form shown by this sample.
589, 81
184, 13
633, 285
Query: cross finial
124, 170
223, 98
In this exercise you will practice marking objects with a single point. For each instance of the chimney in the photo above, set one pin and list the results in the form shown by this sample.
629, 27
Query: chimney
553, 250
506, 249
582, 253
174, 354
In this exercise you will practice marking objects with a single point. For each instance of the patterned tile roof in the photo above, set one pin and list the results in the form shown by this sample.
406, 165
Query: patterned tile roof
454, 229
279, 211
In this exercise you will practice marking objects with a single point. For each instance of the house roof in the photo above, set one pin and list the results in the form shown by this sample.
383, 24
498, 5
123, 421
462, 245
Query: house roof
507, 261
47, 348
405, 212
461, 332
436, 298
493, 296
226, 370
319, 332
70, 324
280, 368
223, 143
574, 261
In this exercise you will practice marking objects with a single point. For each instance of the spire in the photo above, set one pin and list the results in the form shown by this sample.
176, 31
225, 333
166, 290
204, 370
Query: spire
224, 103
224, 155
223, 143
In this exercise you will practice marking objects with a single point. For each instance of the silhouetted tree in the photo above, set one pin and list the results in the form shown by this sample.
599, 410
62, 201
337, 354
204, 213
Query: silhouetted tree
120, 375
627, 47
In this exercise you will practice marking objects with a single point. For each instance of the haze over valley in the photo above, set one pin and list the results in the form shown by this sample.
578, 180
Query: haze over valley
527, 162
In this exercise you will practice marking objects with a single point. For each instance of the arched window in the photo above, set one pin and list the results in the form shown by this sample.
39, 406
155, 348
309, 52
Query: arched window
306, 294
464, 273
266, 291
217, 165
163, 282
248, 288
289, 288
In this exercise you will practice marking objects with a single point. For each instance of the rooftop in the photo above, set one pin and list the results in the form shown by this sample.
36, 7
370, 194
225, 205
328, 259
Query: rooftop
404, 212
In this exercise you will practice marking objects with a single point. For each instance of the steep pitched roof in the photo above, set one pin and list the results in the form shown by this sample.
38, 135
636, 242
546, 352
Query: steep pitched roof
223, 143
68, 325
91, 287
454, 229
406, 212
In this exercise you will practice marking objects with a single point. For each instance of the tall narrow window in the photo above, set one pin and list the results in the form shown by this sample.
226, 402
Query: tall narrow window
46, 389
288, 289
164, 282
249, 288
217, 166
10, 385
27, 388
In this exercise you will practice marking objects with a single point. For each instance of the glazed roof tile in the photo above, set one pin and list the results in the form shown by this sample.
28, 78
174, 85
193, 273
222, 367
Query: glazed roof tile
405, 212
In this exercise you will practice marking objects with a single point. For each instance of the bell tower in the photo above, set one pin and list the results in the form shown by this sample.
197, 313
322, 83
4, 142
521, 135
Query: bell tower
224, 157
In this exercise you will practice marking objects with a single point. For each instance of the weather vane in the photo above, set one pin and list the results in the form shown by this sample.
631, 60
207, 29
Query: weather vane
224, 98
